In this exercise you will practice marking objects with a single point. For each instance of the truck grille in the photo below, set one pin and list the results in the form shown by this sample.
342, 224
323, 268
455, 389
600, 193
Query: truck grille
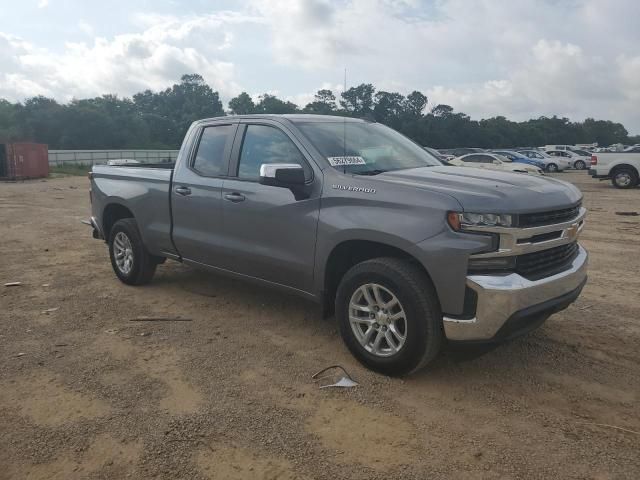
548, 218
536, 265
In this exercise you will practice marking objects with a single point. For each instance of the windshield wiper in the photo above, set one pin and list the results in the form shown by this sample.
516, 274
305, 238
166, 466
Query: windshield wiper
370, 172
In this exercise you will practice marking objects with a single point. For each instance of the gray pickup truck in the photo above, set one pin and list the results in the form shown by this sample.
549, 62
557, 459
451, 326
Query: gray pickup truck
408, 253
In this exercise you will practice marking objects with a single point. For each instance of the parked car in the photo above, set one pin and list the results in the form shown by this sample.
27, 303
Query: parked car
579, 162
520, 158
437, 155
546, 148
551, 164
582, 153
407, 252
493, 161
633, 149
458, 152
623, 169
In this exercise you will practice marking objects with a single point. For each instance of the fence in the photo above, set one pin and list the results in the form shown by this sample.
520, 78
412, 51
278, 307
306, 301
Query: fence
93, 157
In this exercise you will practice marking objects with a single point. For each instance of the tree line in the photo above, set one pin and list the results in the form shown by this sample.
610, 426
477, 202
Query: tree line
159, 120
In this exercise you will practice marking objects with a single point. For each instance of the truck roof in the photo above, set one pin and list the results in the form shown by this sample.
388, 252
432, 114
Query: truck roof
292, 117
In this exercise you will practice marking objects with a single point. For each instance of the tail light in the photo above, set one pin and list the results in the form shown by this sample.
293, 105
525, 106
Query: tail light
594, 160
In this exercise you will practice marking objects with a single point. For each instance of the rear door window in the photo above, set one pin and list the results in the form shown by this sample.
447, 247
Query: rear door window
211, 157
485, 159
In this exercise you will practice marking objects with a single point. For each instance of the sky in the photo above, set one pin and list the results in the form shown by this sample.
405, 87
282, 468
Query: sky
518, 58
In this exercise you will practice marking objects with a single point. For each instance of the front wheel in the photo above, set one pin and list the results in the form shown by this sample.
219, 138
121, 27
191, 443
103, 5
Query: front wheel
552, 167
131, 261
389, 315
624, 178
579, 165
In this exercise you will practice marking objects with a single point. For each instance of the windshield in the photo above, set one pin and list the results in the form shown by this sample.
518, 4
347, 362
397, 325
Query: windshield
513, 155
365, 148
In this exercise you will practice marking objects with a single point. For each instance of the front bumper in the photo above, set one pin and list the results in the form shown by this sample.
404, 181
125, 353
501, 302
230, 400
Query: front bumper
509, 305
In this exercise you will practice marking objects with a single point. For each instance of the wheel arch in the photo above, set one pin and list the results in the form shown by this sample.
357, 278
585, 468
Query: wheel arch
621, 166
350, 252
113, 212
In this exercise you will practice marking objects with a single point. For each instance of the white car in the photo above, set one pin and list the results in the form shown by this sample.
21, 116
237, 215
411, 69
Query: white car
493, 161
623, 169
552, 164
579, 162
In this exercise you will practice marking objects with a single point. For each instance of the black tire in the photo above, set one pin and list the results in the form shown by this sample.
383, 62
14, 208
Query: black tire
624, 177
143, 265
552, 168
417, 295
579, 165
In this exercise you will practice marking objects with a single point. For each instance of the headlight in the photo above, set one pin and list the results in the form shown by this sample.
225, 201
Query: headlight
460, 221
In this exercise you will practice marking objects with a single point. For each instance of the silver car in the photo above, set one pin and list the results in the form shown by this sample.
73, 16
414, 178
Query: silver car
552, 164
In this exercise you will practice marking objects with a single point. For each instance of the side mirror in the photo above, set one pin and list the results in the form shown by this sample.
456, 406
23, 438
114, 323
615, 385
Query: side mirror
285, 175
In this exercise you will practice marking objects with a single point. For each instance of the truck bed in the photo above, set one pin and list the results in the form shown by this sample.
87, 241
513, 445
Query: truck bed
165, 165
138, 187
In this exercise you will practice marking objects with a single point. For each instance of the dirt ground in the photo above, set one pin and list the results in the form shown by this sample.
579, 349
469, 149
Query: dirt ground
87, 393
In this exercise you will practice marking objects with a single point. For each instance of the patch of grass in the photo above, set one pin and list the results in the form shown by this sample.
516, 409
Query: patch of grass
70, 169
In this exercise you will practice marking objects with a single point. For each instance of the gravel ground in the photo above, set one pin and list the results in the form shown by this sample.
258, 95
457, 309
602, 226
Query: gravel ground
87, 393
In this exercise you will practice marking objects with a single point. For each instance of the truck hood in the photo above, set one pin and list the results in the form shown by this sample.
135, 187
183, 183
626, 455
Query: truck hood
489, 191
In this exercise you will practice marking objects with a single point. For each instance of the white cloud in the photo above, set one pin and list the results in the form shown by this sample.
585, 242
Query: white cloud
126, 64
517, 59
43, 3
550, 77
488, 57
85, 27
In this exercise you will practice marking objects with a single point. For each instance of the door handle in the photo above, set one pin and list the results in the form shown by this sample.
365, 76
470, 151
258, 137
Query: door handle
184, 191
234, 197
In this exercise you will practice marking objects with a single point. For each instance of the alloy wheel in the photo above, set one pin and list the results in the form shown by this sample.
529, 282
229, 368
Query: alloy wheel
123, 253
377, 320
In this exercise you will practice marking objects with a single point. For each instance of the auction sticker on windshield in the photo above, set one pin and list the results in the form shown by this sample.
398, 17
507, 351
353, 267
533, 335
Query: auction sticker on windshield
346, 161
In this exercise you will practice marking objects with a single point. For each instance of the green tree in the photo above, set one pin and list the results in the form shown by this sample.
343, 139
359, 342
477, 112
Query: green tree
605, 132
160, 119
358, 101
415, 103
242, 104
324, 103
40, 120
442, 110
389, 108
272, 104
9, 129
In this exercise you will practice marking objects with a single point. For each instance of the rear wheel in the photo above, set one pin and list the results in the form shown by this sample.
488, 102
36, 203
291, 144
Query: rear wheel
579, 165
552, 167
624, 178
131, 261
389, 315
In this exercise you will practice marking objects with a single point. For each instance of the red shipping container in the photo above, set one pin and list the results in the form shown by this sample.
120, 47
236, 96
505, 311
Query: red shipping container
24, 160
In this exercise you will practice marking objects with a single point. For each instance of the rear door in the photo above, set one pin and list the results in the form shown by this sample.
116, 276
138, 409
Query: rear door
196, 196
269, 234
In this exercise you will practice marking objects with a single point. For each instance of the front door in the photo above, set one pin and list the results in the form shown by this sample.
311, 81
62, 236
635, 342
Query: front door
269, 234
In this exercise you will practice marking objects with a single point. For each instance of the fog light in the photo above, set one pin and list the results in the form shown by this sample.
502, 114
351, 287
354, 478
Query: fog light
492, 263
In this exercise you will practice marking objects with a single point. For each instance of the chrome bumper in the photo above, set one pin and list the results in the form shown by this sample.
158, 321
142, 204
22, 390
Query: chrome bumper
97, 233
501, 297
